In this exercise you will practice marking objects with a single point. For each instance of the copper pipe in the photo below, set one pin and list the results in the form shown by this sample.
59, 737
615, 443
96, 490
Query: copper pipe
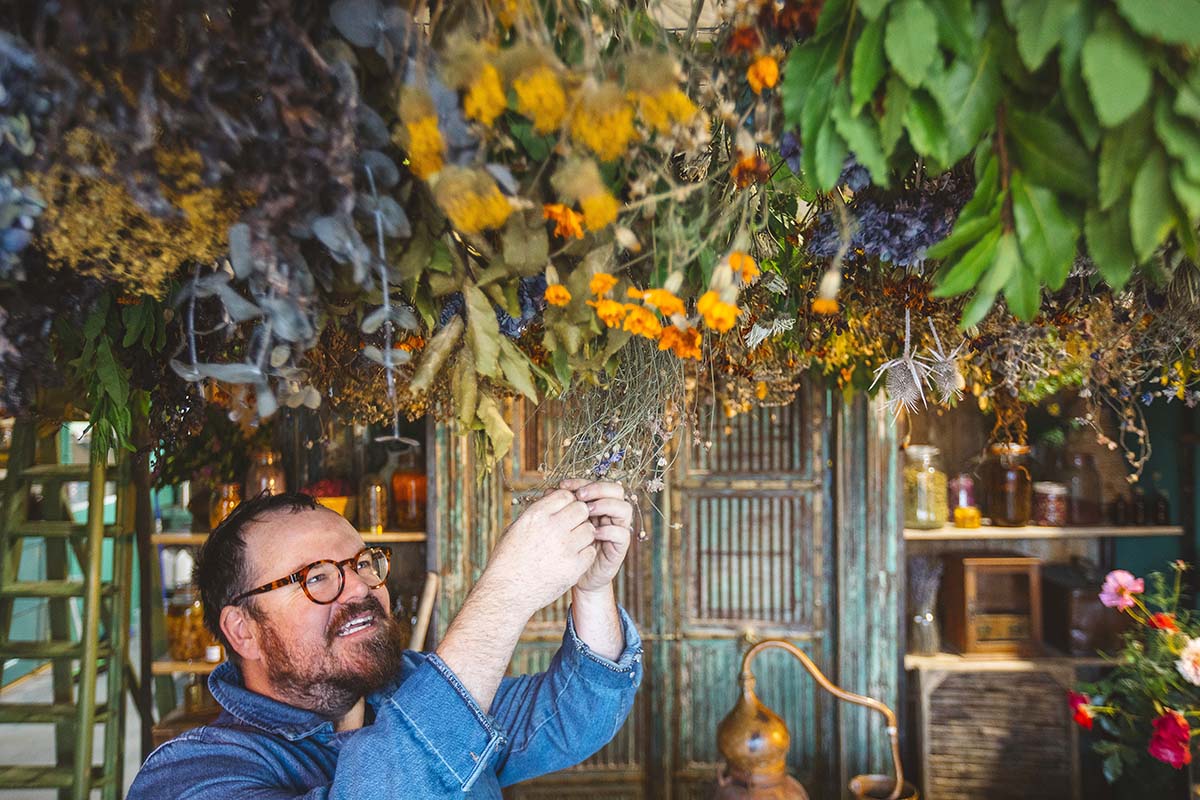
893, 726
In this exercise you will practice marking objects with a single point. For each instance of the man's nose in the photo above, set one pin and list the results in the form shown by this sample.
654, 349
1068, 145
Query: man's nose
355, 589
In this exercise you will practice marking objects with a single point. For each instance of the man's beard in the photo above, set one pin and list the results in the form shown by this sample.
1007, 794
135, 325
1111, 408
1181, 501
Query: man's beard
320, 681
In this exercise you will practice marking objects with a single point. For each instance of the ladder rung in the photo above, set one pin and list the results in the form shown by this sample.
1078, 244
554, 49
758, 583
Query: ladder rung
49, 589
60, 529
21, 777
46, 712
67, 472
48, 650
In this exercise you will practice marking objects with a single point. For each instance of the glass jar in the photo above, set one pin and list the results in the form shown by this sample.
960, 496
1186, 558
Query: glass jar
1050, 504
962, 491
373, 504
1009, 486
1084, 506
265, 474
408, 489
224, 500
925, 499
187, 638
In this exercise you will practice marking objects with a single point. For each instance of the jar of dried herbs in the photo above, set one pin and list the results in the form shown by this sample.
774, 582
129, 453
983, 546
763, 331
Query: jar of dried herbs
926, 503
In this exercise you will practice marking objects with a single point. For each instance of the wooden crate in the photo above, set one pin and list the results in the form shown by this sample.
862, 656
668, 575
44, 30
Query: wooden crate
999, 733
991, 604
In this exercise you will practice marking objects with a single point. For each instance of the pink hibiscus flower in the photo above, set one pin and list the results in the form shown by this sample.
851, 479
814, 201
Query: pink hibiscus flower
1119, 588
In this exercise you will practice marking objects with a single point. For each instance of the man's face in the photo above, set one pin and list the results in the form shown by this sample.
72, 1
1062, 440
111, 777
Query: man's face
318, 657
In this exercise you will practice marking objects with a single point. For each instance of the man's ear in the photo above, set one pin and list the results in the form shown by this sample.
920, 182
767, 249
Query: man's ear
242, 632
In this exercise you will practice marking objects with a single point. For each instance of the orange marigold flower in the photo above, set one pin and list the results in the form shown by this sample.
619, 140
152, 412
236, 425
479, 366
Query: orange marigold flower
634, 293
602, 283
763, 74
599, 210
685, 344
667, 303
760, 390
718, 315
750, 169
557, 295
642, 322
568, 222
744, 265
822, 305
610, 312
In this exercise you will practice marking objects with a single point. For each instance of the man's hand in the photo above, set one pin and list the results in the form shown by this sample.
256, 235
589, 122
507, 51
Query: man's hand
612, 516
544, 552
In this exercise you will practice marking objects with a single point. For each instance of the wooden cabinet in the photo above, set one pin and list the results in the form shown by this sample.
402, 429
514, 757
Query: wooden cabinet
991, 604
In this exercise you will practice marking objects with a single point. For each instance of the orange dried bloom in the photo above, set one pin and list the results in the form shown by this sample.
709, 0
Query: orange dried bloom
667, 303
599, 210
557, 295
568, 222
763, 74
642, 322
718, 315
685, 344
760, 390
602, 283
743, 40
744, 265
750, 169
822, 305
634, 293
610, 312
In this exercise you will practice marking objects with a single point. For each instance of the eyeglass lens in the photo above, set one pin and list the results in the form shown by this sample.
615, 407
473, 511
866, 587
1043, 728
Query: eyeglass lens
324, 582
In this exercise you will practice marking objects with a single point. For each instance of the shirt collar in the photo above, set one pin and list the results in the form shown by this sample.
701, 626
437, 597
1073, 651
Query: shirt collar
270, 715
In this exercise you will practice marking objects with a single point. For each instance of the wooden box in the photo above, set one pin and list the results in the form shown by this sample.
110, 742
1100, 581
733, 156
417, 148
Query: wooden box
1074, 619
991, 604
999, 731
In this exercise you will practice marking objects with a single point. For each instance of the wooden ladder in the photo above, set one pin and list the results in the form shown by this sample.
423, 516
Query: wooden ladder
103, 639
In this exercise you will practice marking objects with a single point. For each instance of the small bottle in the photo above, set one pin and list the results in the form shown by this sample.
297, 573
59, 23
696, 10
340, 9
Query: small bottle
1161, 508
1140, 509
1120, 511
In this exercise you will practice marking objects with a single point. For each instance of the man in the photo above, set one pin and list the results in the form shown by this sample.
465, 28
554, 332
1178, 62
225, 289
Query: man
321, 701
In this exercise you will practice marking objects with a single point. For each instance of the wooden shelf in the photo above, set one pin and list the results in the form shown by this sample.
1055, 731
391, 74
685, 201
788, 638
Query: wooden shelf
165, 666
193, 539
952, 662
951, 533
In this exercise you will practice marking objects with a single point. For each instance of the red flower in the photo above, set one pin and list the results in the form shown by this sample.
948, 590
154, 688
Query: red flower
1081, 705
1170, 742
1163, 622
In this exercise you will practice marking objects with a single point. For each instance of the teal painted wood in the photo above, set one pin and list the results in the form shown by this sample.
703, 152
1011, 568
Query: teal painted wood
870, 578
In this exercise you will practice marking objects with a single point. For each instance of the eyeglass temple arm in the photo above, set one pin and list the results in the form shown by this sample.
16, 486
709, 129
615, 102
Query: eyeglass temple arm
893, 729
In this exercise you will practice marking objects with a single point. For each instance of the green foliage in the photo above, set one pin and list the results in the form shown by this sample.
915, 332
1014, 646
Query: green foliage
102, 357
1081, 116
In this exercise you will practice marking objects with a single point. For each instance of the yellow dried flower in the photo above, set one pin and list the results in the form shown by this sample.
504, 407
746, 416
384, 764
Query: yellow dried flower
422, 141
507, 11
718, 315
557, 295
602, 283
763, 74
485, 98
666, 302
611, 312
471, 200
541, 98
599, 210
822, 305
662, 110
642, 322
603, 122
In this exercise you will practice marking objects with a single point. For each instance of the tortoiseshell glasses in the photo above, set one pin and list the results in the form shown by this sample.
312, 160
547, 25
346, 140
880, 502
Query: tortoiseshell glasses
324, 580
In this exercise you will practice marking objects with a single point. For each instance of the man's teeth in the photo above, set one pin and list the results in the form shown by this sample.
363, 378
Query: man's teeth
355, 625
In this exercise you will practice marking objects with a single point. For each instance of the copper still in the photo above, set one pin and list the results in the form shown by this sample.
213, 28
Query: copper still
754, 742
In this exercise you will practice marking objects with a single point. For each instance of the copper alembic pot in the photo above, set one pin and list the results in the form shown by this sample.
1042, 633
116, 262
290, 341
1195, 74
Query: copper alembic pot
754, 741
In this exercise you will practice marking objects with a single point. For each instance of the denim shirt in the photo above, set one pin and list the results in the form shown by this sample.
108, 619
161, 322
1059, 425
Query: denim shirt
429, 737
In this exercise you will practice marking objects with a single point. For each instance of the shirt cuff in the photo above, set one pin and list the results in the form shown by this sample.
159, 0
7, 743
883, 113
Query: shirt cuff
623, 673
457, 719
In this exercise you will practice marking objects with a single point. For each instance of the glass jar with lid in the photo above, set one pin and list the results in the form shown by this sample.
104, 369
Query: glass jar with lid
373, 504
265, 474
409, 487
926, 502
225, 498
187, 638
1009, 485
1049, 504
